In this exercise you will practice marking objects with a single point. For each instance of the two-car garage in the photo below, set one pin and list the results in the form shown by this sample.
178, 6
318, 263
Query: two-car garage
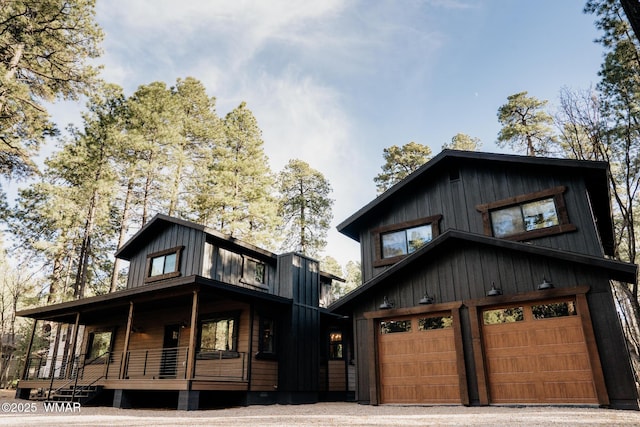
527, 352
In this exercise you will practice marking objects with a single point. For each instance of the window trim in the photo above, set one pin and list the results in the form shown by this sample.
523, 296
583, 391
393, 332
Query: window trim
557, 193
150, 257
248, 275
100, 359
214, 354
262, 354
377, 233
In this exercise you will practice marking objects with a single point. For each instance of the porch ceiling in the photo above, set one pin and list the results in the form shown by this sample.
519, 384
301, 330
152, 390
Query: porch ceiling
165, 293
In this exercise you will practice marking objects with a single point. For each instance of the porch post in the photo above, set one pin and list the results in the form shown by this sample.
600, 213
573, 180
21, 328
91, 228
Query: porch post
23, 393
74, 342
25, 369
191, 352
54, 356
123, 361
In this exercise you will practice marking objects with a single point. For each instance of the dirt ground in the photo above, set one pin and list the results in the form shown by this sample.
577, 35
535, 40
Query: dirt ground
23, 413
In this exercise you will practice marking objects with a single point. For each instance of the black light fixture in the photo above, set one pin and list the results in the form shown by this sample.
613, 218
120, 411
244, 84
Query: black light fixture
545, 285
493, 292
386, 304
426, 299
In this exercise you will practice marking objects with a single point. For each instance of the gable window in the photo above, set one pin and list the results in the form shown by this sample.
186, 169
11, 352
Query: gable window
527, 216
164, 264
398, 240
219, 337
254, 272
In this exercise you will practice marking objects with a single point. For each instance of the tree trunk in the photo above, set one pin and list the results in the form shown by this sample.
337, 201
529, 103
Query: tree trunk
124, 223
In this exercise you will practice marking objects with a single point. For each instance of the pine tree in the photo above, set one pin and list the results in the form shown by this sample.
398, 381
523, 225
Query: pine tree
525, 125
234, 192
44, 45
399, 163
70, 208
305, 207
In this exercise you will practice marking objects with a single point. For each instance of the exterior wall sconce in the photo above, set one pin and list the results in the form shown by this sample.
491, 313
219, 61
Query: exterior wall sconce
426, 299
494, 292
545, 285
386, 304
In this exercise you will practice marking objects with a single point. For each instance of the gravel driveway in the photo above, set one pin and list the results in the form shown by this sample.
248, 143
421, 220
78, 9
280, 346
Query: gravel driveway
320, 414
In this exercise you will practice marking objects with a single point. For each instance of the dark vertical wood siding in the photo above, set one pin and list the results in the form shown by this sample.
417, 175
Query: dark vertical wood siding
300, 347
456, 201
465, 273
173, 235
227, 266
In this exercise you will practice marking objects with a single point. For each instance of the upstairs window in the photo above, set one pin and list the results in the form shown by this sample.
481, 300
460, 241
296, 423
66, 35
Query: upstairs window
527, 216
164, 264
403, 242
254, 272
399, 240
524, 218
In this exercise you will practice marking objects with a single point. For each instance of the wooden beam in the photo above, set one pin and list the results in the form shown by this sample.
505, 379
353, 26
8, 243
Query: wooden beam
373, 362
191, 357
123, 360
478, 355
592, 349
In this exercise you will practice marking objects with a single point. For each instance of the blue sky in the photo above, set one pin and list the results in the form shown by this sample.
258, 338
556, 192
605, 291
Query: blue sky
334, 82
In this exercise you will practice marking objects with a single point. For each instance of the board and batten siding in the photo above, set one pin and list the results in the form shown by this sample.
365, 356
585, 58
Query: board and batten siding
464, 274
174, 235
456, 200
227, 266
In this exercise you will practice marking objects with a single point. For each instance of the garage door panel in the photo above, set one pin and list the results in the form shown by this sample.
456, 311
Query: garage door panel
510, 364
497, 338
442, 393
570, 392
418, 366
437, 368
538, 360
570, 362
558, 334
400, 369
526, 392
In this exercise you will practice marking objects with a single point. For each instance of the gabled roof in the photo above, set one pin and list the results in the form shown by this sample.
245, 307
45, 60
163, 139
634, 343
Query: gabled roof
161, 221
594, 174
617, 270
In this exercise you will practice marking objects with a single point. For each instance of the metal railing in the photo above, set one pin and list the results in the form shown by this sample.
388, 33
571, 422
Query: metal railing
159, 363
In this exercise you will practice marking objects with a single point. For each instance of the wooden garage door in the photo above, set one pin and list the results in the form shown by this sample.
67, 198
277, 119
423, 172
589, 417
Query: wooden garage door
417, 360
536, 353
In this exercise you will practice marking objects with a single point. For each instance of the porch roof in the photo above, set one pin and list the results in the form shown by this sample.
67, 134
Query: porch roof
97, 307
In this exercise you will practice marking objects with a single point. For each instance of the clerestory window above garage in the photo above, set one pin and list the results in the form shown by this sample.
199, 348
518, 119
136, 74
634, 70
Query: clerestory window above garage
394, 242
527, 216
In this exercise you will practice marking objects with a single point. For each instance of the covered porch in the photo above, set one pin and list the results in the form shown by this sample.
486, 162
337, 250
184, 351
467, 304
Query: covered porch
184, 335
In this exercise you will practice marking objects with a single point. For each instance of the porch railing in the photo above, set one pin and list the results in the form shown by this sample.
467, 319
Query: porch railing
159, 363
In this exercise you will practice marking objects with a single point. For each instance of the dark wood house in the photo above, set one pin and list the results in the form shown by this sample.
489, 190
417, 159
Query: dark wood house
487, 280
205, 320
